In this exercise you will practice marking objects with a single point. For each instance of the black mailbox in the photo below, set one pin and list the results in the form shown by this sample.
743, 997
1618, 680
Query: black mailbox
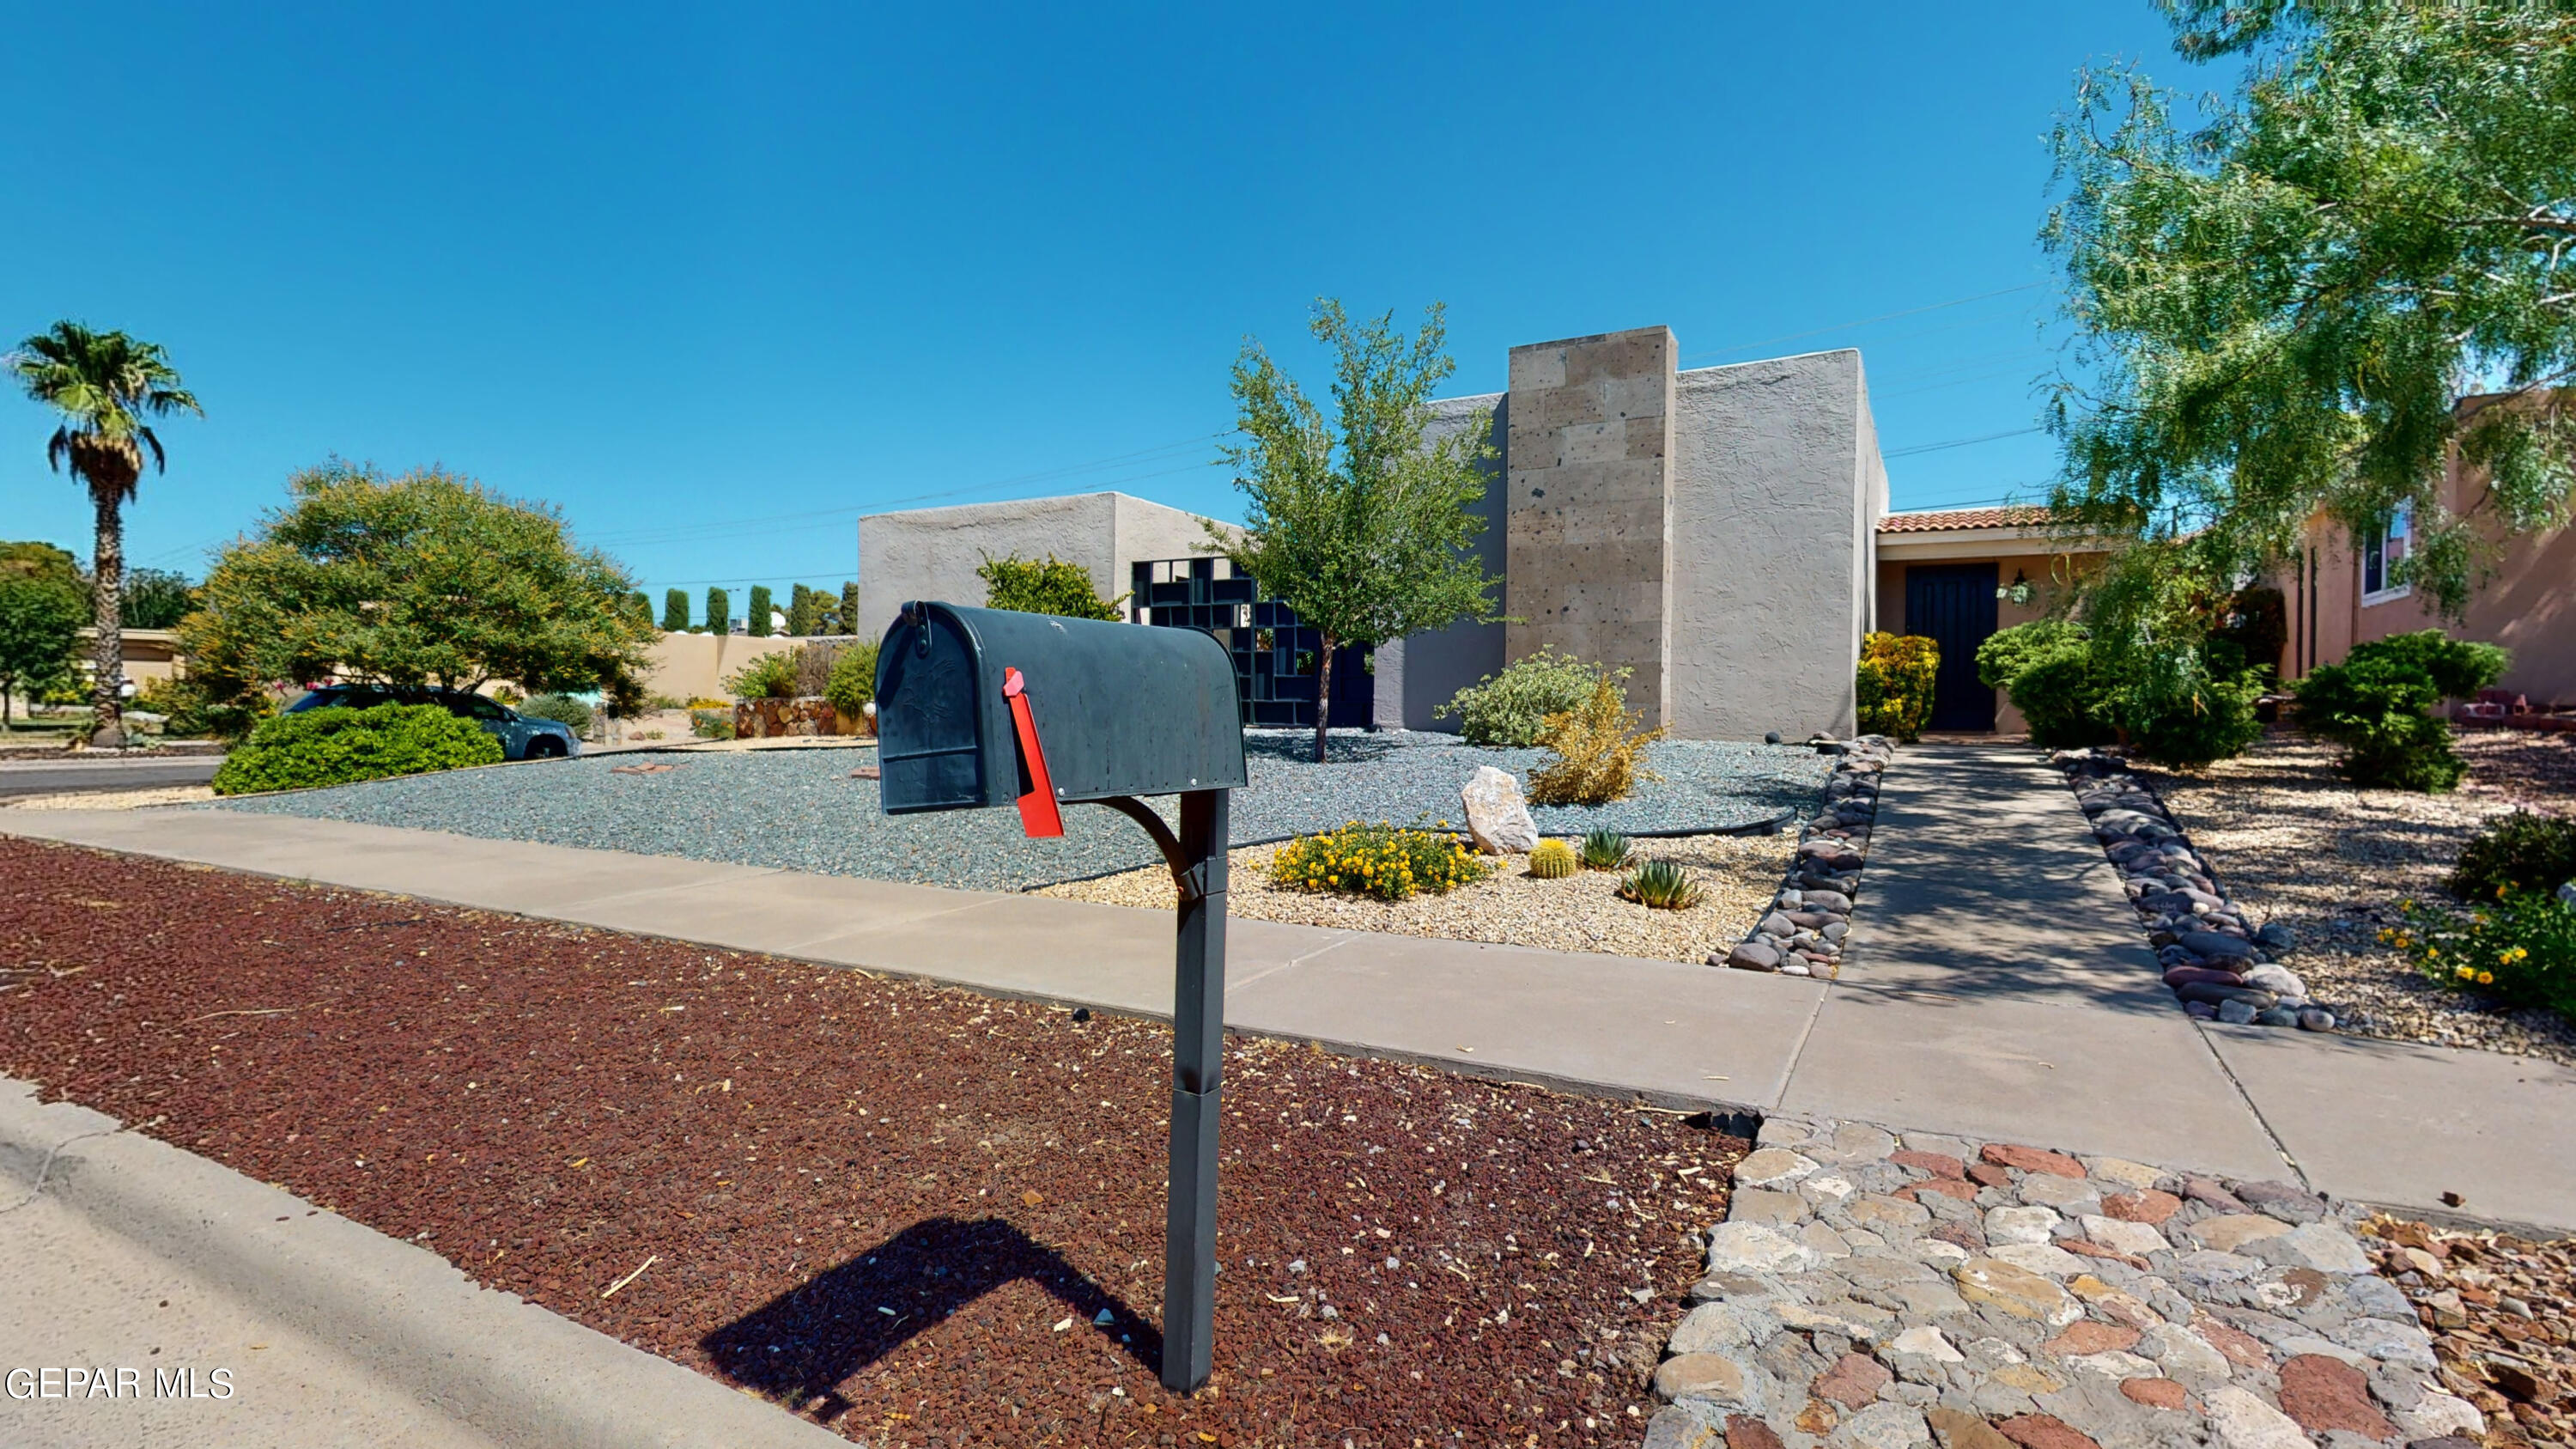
1118, 709
985, 707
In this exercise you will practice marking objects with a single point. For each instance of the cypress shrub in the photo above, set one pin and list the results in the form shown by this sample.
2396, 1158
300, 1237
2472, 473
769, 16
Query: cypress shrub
719, 611
850, 608
761, 608
675, 611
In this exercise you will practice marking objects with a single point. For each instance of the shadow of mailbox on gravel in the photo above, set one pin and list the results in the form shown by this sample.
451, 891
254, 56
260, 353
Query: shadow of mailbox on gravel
801, 1346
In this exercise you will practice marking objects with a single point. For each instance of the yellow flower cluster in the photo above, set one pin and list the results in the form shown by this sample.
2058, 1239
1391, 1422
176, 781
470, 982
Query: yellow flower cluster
1379, 860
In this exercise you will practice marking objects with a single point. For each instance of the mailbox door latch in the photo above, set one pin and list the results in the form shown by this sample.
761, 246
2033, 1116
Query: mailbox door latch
1039, 815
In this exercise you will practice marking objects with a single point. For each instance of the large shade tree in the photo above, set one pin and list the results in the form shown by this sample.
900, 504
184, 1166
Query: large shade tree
106, 386
421, 580
2282, 297
1363, 523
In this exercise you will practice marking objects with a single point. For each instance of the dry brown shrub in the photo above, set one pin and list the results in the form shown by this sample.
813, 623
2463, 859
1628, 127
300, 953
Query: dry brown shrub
1598, 748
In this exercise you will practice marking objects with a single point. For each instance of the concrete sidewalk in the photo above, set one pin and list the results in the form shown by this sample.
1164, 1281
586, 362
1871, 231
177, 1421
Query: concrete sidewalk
200, 1307
1997, 987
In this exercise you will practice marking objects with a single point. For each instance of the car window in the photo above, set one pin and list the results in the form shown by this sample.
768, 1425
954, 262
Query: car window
485, 709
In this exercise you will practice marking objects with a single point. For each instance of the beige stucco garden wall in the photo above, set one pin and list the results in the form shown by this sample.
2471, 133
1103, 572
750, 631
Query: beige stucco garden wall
932, 553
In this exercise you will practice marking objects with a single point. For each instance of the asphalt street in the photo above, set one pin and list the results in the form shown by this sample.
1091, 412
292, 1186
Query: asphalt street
49, 777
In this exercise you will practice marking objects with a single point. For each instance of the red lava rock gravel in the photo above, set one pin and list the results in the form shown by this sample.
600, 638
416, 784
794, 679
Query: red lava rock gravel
923, 1216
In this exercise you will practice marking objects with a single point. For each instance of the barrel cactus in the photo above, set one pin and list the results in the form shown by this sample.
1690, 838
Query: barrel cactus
1552, 860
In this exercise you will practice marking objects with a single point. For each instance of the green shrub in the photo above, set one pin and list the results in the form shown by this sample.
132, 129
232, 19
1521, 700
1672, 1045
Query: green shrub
761, 607
711, 724
2211, 719
675, 611
1598, 748
2046, 668
771, 676
2374, 704
854, 679
1553, 860
848, 621
563, 709
2520, 948
1895, 684
1606, 850
1377, 860
1661, 885
719, 611
1511, 708
2516, 852
336, 746
192, 711
1052, 587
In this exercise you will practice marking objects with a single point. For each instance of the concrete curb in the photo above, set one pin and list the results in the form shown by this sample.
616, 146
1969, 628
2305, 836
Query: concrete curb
512, 1370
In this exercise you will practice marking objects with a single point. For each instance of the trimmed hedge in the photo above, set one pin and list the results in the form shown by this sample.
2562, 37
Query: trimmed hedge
339, 746
1895, 684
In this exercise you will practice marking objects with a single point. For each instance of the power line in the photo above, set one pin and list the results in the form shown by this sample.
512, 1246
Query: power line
1863, 322
1957, 443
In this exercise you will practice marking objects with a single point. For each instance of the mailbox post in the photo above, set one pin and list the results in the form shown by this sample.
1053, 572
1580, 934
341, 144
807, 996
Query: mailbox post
986, 707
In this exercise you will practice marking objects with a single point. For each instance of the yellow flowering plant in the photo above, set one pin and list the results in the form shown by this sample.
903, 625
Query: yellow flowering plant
1381, 860
2521, 949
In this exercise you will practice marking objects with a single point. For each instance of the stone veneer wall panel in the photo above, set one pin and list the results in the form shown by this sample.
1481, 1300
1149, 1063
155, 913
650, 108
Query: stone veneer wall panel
1589, 511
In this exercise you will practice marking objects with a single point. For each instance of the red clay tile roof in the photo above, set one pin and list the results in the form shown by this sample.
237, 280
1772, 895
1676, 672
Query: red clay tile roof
2026, 515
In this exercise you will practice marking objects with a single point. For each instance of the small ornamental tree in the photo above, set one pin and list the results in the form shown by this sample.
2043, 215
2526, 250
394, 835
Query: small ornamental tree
1052, 587
1361, 524
421, 580
675, 611
40, 622
761, 608
719, 611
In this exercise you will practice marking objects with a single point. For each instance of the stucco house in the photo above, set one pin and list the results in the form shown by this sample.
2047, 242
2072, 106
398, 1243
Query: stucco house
2343, 591
1720, 532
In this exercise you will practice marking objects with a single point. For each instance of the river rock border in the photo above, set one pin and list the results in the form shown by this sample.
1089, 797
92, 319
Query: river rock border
2220, 967
1803, 932
1880, 1290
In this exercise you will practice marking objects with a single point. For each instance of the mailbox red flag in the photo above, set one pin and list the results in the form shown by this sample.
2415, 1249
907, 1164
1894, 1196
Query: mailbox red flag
1039, 815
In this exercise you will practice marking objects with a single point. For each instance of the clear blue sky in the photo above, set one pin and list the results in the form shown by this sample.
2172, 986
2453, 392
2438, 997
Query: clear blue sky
682, 273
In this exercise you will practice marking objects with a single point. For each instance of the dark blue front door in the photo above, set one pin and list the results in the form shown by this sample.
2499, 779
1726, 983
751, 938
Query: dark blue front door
1953, 605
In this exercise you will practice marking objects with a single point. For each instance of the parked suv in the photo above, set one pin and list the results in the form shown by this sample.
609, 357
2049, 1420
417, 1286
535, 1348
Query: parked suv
523, 737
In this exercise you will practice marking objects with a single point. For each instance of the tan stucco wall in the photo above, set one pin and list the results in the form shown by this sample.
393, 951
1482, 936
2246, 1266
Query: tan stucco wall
694, 666
2528, 604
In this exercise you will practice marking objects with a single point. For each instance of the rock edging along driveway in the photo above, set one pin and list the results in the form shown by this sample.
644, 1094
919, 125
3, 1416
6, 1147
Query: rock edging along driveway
1877, 1289
1803, 932
2220, 967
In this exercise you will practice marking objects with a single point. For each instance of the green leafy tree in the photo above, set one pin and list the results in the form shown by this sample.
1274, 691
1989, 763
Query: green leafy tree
719, 611
40, 620
105, 385
2286, 303
675, 611
42, 560
1050, 587
156, 598
425, 579
1361, 524
761, 609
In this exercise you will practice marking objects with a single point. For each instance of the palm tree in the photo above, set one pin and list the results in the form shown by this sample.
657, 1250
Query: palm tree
104, 384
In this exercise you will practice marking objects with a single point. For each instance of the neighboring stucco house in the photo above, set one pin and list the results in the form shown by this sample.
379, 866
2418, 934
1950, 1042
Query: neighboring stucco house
1721, 532
2341, 592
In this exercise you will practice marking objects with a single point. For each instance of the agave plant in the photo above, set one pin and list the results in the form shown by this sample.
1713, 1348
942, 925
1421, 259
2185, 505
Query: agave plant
1605, 850
1662, 885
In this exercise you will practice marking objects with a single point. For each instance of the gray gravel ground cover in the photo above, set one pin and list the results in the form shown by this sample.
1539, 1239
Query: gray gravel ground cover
801, 810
